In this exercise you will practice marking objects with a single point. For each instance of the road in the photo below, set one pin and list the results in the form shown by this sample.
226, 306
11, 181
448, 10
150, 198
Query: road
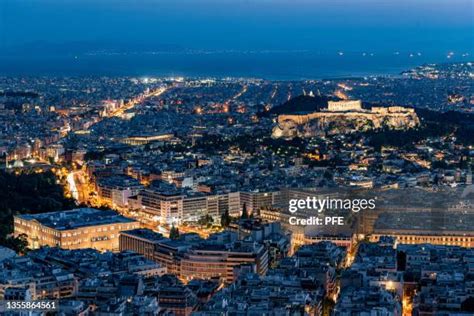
137, 100
78, 187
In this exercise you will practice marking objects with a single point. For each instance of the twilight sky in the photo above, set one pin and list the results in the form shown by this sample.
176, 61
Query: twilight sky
354, 25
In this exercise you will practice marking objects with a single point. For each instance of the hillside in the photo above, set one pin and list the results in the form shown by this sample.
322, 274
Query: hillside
302, 104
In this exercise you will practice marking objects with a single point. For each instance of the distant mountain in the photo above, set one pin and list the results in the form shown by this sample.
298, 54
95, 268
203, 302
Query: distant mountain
303, 104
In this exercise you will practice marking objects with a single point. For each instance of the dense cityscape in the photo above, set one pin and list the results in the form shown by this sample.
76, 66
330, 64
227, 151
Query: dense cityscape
192, 196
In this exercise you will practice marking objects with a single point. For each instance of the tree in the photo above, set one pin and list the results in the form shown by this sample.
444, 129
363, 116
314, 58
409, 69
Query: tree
225, 219
245, 214
27, 193
18, 244
206, 220
174, 233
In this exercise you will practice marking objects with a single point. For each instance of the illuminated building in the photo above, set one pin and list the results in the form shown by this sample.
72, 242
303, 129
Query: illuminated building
117, 189
256, 200
178, 206
434, 238
340, 235
191, 257
55, 152
169, 254
438, 228
218, 261
154, 246
340, 240
196, 206
141, 241
167, 205
143, 140
74, 229
346, 105
361, 182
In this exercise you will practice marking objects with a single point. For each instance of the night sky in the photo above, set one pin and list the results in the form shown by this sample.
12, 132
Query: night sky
383, 25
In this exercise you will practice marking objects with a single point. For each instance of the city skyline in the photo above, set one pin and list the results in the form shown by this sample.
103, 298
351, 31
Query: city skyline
236, 157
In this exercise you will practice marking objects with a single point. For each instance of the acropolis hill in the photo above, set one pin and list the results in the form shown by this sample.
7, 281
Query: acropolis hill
344, 117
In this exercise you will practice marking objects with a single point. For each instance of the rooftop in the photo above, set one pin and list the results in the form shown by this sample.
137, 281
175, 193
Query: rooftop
425, 223
145, 234
76, 218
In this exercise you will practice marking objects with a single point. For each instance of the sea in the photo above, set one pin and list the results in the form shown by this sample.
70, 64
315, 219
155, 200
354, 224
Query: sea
271, 65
